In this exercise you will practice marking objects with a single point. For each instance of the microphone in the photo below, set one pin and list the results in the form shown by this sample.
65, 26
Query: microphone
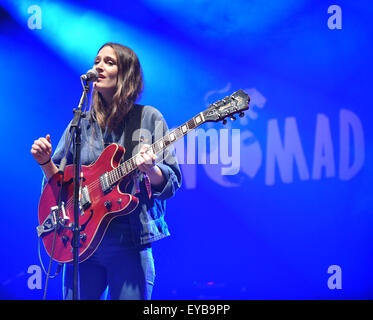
91, 75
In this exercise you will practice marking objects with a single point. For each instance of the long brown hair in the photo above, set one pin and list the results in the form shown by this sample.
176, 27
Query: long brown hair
129, 87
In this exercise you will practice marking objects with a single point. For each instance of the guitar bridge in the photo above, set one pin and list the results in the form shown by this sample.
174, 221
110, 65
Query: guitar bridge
51, 220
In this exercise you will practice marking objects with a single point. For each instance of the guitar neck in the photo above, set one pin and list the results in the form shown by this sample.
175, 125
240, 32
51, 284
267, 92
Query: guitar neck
130, 165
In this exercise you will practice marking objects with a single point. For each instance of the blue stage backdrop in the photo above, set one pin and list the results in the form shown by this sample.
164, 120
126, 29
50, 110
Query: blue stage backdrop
275, 205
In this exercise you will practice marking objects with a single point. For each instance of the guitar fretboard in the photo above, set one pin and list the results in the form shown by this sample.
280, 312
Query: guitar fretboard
130, 165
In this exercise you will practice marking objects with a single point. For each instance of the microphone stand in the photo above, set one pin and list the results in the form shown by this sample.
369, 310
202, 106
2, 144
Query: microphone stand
75, 132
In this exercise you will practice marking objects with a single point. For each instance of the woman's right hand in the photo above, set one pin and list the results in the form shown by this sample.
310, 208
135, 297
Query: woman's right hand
42, 150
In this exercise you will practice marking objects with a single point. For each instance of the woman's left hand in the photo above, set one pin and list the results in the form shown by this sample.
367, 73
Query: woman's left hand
146, 159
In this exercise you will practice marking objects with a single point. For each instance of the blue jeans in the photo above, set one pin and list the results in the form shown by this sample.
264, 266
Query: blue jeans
126, 270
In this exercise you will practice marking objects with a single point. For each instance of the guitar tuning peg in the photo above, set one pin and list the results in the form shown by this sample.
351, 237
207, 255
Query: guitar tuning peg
233, 118
225, 121
241, 114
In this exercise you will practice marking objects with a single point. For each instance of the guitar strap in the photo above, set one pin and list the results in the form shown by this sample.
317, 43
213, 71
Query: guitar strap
132, 123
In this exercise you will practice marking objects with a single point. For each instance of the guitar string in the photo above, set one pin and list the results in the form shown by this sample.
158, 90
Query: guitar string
115, 175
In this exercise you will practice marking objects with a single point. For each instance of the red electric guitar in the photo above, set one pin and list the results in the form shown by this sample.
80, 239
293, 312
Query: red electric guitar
101, 199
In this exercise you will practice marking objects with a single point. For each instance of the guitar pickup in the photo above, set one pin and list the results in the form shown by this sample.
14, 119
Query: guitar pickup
85, 199
105, 184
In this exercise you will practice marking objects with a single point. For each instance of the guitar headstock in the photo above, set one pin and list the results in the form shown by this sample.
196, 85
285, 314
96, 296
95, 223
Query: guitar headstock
237, 102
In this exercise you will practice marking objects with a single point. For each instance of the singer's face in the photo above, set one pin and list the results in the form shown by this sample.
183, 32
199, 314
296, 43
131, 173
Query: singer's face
107, 67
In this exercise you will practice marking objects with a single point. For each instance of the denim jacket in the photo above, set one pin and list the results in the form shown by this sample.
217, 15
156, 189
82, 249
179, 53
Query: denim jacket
146, 222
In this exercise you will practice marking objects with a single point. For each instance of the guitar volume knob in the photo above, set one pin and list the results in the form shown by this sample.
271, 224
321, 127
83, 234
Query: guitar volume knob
65, 239
107, 204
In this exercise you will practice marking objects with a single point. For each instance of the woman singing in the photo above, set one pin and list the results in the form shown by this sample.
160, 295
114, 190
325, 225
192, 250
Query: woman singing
123, 261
